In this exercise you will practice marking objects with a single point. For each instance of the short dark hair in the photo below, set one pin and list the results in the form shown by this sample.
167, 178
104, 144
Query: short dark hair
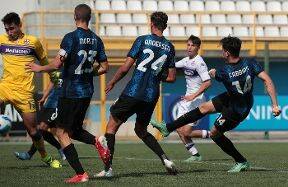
232, 45
159, 20
10, 18
82, 12
195, 40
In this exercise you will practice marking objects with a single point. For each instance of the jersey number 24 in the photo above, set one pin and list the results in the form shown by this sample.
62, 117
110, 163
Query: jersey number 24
156, 65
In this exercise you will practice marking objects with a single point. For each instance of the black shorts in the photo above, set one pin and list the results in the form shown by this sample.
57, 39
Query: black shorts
71, 112
233, 111
126, 106
48, 116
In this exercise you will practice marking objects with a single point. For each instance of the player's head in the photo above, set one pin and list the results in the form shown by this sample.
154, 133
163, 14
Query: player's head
193, 46
12, 25
82, 13
159, 21
230, 46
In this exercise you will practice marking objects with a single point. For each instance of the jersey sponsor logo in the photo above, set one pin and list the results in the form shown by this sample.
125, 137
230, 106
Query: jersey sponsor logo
16, 50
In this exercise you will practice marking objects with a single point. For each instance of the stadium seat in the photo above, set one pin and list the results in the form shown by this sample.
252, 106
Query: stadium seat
134, 5
107, 18
204, 18
234, 18
212, 5
187, 18
271, 31
165, 5
118, 5
273, 6
102, 5
227, 5
150, 5
102, 30
218, 18
240, 31
258, 6
123, 18
258, 31
181, 5
243, 6
247, 19
209, 31
265, 19
139, 18
113, 30
129, 30
195, 30
285, 6
177, 31
284, 31
196, 5
143, 30
224, 31
173, 18
166, 32
280, 19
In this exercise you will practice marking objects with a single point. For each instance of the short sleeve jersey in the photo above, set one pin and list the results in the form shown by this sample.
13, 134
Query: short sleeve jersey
153, 55
15, 55
81, 48
238, 80
196, 72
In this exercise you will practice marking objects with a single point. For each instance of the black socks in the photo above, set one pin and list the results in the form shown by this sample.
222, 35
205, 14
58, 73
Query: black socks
187, 118
72, 158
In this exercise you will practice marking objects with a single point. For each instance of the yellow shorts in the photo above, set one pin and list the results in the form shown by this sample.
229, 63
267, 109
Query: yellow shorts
23, 101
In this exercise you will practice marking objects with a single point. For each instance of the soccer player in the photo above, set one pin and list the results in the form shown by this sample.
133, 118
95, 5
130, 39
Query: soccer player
78, 51
48, 114
234, 105
197, 81
153, 55
17, 86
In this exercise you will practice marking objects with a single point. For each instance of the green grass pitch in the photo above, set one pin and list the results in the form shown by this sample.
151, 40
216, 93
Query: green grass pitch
135, 164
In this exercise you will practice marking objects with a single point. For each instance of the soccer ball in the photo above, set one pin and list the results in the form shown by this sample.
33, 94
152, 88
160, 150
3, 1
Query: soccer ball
5, 124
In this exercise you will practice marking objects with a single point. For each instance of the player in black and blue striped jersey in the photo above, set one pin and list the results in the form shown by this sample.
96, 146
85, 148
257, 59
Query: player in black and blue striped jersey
78, 50
234, 105
153, 55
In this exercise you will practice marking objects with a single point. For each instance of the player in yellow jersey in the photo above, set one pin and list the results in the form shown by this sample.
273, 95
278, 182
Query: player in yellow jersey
17, 86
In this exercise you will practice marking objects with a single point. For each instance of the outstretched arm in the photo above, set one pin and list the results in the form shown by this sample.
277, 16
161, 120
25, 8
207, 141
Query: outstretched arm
121, 72
271, 92
171, 75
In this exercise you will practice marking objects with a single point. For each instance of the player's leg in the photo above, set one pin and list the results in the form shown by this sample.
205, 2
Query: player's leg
111, 129
120, 111
189, 117
144, 112
222, 125
185, 136
80, 134
29, 120
68, 114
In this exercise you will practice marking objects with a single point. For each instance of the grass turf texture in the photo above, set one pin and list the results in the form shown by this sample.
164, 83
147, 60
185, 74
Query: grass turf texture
135, 164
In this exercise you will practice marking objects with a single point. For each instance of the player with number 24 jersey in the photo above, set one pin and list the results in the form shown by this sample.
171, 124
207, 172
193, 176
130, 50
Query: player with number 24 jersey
153, 54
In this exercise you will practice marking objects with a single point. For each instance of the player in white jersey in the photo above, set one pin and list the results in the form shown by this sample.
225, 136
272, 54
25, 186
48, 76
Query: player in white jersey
197, 81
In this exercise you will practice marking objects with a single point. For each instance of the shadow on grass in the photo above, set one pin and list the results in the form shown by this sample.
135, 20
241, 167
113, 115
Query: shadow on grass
143, 174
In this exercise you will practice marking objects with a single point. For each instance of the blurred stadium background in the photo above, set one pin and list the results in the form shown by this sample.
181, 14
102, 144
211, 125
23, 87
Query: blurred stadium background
262, 25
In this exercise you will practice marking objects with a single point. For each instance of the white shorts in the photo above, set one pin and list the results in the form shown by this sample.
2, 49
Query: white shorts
185, 106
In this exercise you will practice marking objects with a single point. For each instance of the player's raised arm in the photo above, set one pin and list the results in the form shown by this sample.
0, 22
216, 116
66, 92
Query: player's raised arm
271, 92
